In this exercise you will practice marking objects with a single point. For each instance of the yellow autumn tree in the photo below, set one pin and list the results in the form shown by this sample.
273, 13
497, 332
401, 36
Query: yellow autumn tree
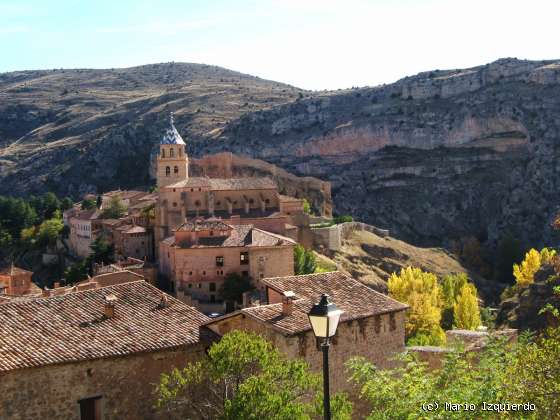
420, 290
524, 273
466, 312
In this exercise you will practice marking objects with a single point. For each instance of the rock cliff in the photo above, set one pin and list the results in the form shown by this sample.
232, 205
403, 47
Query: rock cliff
433, 157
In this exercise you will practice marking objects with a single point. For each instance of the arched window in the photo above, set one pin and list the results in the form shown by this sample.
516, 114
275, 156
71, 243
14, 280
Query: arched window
175, 169
171, 152
180, 151
162, 152
167, 171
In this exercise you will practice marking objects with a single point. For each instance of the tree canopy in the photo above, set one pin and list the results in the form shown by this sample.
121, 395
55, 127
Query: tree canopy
304, 260
245, 377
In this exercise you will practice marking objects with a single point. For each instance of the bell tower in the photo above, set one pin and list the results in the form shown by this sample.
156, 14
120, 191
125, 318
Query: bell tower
172, 159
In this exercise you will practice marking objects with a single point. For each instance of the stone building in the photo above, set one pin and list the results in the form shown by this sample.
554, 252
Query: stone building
255, 201
16, 281
94, 354
81, 234
201, 253
371, 326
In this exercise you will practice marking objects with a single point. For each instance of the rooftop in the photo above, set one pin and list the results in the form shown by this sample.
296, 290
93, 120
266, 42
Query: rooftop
12, 270
241, 236
205, 224
352, 297
72, 327
226, 184
171, 135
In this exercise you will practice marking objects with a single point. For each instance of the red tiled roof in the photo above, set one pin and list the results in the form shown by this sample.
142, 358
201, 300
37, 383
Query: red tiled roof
72, 328
226, 184
354, 298
207, 224
240, 236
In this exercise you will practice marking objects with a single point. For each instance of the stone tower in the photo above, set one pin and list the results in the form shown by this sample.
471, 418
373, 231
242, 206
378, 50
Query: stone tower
172, 159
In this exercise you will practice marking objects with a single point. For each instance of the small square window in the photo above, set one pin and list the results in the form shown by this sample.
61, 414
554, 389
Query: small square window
244, 258
200, 285
219, 261
212, 287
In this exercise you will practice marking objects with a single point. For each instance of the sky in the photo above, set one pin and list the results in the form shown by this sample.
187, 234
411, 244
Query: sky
312, 44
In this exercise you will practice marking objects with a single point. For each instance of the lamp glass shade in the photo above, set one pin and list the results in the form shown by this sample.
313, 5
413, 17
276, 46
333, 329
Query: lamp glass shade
324, 318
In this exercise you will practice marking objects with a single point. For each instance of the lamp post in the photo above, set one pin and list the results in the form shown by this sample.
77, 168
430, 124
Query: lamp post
324, 317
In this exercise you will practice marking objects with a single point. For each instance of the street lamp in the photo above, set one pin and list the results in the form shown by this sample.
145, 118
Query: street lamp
324, 318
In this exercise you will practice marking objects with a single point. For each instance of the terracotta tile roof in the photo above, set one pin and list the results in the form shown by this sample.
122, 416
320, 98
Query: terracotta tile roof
72, 328
287, 198
226, 184
240, 236
205, 224
12, 270
355, 299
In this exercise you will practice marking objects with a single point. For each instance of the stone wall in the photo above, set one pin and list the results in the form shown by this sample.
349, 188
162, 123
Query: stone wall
125, 384
331, 237
377, 338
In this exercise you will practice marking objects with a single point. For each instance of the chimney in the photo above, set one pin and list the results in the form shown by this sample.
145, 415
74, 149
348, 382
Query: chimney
288, 302
164, 302
46, 292
109, 309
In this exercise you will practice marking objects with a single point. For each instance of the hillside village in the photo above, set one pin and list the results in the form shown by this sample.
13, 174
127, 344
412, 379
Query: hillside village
161, 300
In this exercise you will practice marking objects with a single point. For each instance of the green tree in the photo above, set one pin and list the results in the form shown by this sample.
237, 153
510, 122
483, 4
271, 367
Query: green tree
508, 252
234, 286
304, 260
451, 284
51, 204
115, 209
422, 292
49, 231
102, 251
306, 206
77, 272
66, 204
245, 377
88, 204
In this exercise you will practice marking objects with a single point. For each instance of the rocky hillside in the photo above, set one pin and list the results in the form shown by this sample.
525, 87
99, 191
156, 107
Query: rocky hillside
73, 131
433, 157
372, 259
436, 156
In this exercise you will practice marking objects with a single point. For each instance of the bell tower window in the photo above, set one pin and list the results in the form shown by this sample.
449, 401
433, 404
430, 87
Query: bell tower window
171, 152
167, 171
162, 152
175, 169
180, 151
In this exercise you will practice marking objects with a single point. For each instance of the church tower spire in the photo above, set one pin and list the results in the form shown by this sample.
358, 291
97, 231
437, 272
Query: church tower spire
172, 160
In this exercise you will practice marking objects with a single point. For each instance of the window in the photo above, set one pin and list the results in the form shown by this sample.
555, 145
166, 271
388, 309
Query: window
220, 261
261, 275
189, 285
267, 201
211, 233
180, 151
212, 298
90, 408
200, 285
204, 273
245, 273
218, 203
244, 258
173, 189
212, 287
175, 169
197, 203
190, 273
174, 204
162, 153
167, 171
251, 201
192, 189
200, 189
171, 152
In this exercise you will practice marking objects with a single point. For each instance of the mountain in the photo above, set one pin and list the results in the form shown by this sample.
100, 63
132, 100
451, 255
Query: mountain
74, 131
434, 157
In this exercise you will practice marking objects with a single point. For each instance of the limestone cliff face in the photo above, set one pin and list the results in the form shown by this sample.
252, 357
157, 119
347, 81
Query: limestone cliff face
433, 157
